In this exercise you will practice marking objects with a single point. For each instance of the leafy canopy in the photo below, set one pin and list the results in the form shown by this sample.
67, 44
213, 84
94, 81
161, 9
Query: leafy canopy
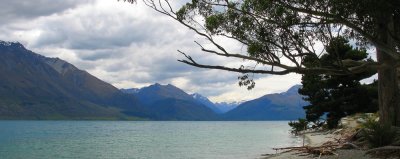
279, 34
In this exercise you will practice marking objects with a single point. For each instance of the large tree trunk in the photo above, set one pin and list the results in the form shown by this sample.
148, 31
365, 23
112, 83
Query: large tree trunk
389, 92
388, 81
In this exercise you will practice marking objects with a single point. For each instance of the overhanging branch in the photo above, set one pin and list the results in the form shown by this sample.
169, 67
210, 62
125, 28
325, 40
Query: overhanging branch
359, 68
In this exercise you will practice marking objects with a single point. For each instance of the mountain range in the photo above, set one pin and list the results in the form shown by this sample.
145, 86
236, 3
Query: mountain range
278, 106
36, 87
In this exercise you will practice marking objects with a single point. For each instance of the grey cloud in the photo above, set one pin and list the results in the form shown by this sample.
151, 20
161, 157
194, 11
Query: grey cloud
161, 66
156, 75
93, 29
97, 55
118, 67
52, 35
16, 10
215, 90
213, 76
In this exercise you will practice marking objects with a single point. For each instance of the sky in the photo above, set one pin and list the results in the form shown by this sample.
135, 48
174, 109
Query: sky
128, 46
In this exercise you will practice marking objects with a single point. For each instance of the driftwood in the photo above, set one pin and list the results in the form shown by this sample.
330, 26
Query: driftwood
354, 135
349, 145
326, 148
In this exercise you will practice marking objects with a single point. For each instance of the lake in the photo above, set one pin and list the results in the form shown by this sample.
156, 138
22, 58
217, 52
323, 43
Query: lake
142, 139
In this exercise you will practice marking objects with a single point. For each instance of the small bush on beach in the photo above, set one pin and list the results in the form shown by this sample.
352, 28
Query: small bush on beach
299, 125
378, 135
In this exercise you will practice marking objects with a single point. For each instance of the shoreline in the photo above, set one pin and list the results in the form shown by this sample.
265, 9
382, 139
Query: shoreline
313, 138
318, 138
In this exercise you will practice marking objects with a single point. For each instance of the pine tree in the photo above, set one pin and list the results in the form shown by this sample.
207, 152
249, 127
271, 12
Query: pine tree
337, 95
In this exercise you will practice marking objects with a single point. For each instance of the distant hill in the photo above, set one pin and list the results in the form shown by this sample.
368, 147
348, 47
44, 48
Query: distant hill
36, 87
168, 102
156, 92
278, 106
218, 107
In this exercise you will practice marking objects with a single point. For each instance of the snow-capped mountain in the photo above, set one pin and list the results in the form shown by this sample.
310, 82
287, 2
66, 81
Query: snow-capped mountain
205, 101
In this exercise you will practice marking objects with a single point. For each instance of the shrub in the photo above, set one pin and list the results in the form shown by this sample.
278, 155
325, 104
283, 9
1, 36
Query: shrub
377, 134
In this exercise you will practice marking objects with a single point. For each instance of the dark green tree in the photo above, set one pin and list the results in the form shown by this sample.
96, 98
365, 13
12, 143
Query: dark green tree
280, 34
337, 95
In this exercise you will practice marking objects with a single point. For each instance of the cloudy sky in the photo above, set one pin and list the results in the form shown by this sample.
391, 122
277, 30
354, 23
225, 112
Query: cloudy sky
129, 46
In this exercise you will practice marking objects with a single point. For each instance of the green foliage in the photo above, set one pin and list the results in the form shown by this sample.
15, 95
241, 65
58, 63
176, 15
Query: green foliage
378, 135
337, 95
180, 14
254, 49
299, 125
245, 80
213, 22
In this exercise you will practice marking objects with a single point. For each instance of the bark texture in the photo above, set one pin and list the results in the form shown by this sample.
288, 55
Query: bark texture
389, 93
388, 75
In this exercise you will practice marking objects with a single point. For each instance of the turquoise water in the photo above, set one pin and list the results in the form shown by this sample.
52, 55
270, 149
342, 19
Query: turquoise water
141, 139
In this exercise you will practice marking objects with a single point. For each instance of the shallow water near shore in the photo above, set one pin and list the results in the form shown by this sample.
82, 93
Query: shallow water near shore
143, 139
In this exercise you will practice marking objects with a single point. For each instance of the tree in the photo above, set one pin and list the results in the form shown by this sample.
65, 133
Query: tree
298, 126
336, 95
279, 34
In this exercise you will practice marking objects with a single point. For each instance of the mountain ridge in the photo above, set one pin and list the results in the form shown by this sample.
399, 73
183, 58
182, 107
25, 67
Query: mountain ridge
169, 102
37, 87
